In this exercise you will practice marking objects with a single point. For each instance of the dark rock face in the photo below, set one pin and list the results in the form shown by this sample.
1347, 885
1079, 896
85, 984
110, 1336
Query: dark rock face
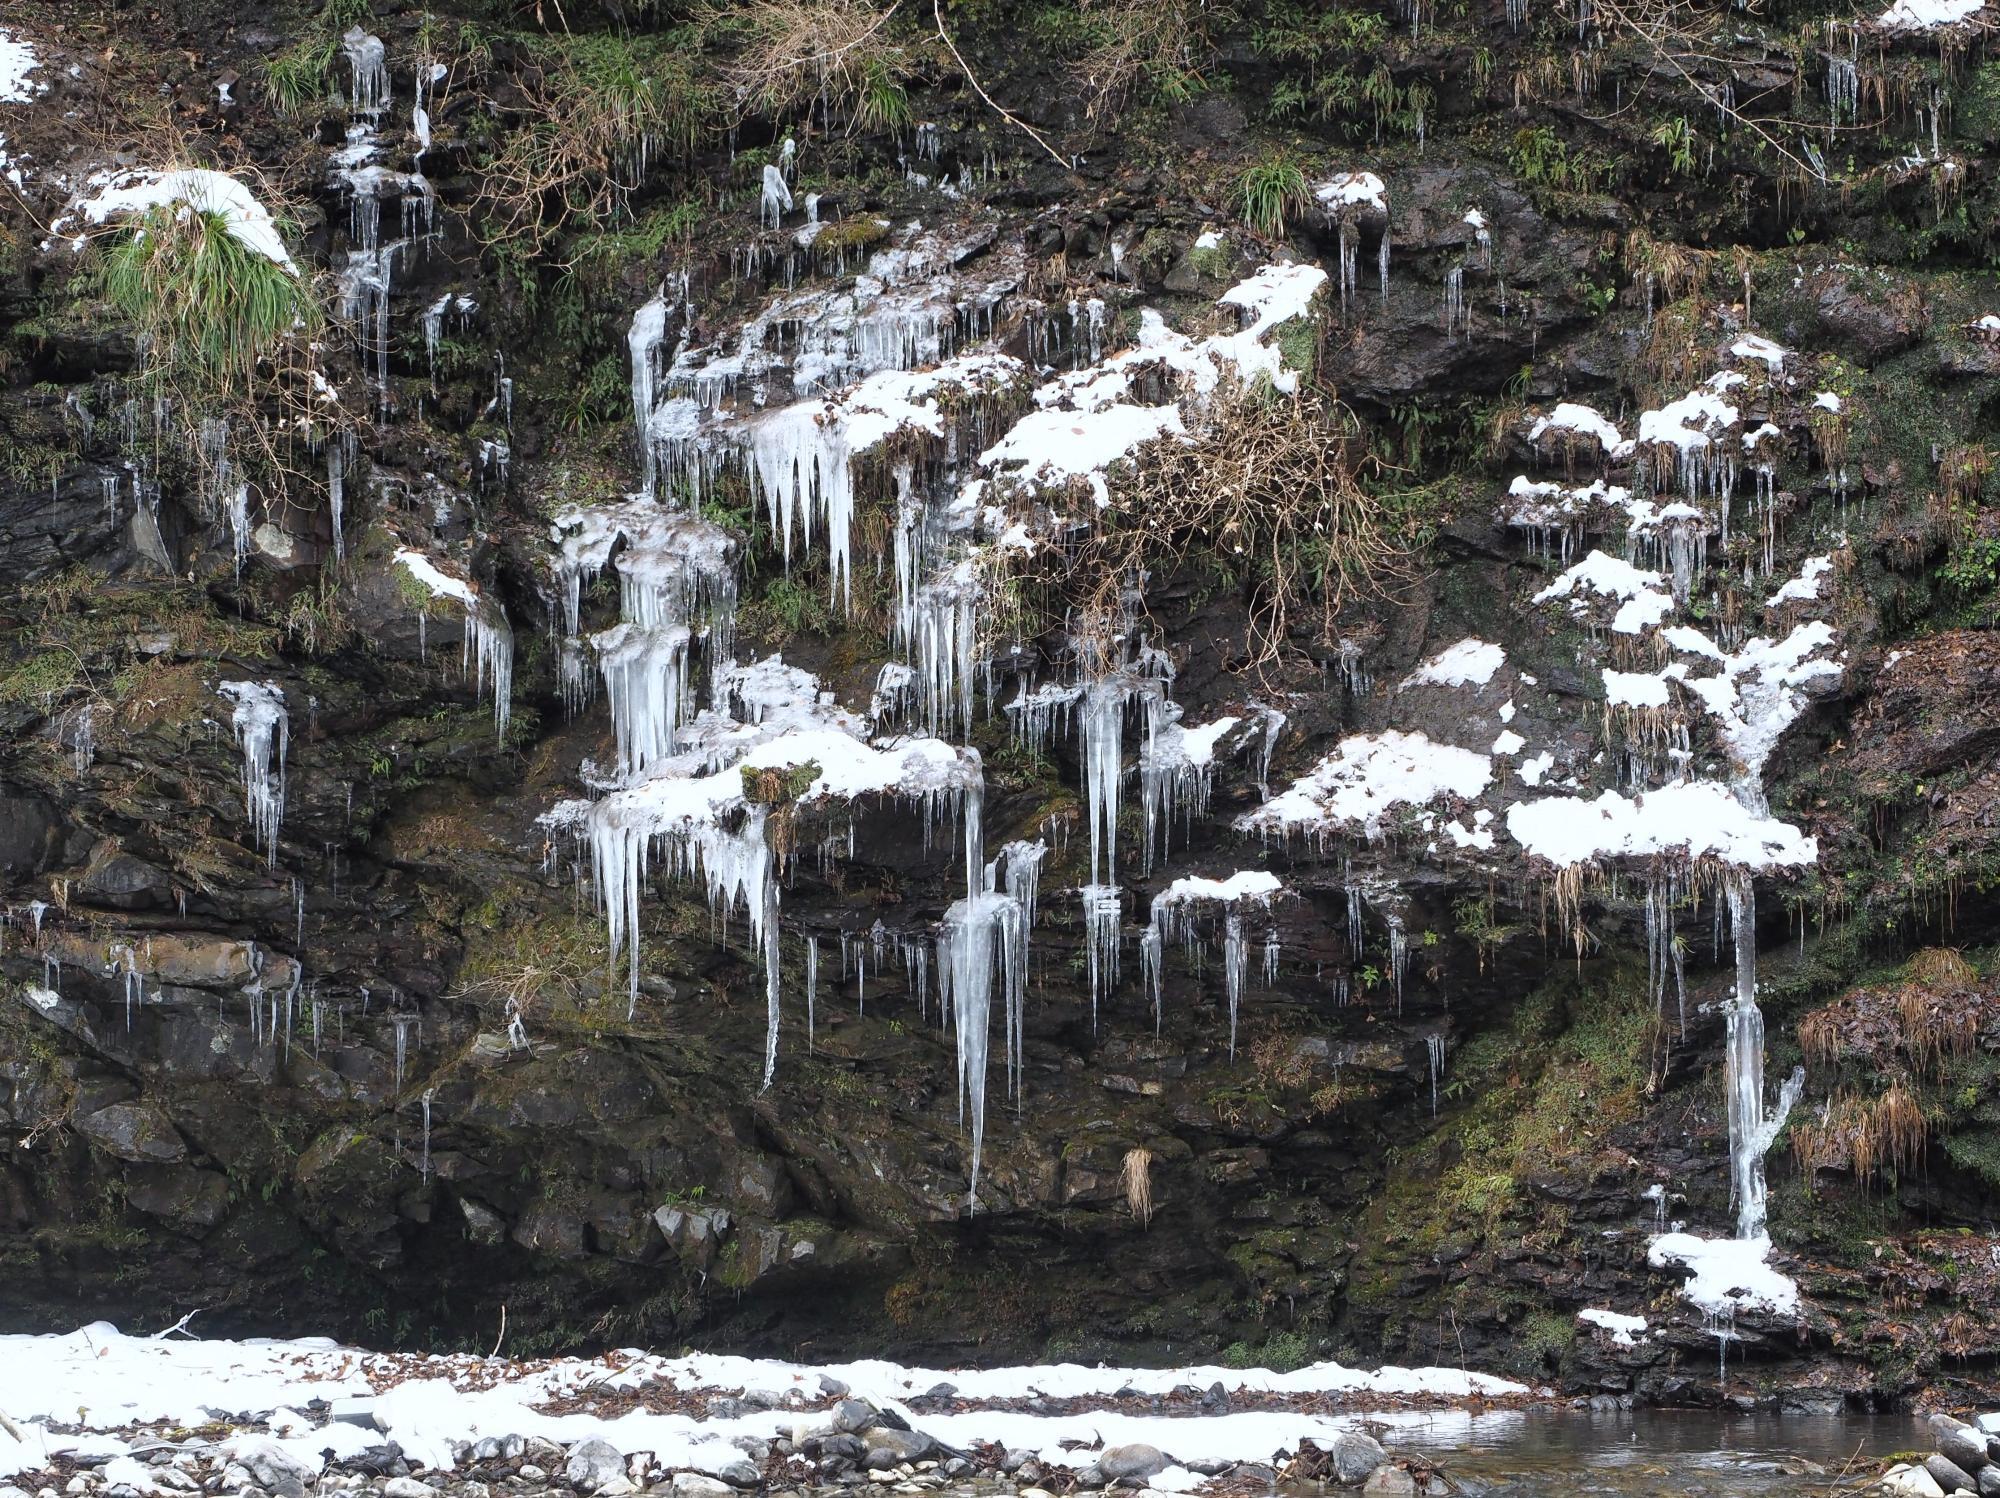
390, 1062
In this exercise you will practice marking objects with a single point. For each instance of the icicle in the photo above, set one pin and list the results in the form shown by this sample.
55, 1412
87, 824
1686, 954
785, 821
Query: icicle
262, 729
979, 942
1103, 907
1235, 965
777, 199
1751, 1130
425, 1169
812, 988
1434, 1044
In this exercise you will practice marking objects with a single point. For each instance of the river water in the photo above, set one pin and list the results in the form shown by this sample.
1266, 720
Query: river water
1515, 1453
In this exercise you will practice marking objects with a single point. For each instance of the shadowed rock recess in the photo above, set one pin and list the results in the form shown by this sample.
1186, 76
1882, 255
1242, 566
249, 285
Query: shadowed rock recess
994, 681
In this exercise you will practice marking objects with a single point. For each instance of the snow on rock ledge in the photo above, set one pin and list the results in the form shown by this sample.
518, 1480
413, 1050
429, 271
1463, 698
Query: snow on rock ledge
1727, 1274
1365, 778
1683, 820
1469, 663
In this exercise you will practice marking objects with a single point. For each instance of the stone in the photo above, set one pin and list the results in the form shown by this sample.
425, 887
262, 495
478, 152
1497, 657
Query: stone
1090, 1477
741, 1475
832, 1388
852, 1416
842, 1445
531, 1473
1961, 1445
1134, 1460
699, 1485
1988, 1478
407, 1487
1392, 1481
354, 1409
1355, 1456
753, 1448
135, 1132
268, 1463
941, 1391
1906, 1481
1948, 1474
592, 1463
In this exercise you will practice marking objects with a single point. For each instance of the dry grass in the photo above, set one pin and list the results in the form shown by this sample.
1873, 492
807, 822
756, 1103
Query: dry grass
800, 58
1158, 42
1872, 1137
1268, 487
1136, 1177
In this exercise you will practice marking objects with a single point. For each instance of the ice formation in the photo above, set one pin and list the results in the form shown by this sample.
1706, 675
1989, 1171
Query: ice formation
488, 650
263, 729
1173, 914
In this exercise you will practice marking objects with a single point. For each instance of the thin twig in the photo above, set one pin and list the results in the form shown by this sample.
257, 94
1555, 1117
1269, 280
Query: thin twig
937, 9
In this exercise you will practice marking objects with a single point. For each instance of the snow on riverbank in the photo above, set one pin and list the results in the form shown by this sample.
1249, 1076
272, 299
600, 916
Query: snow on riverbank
84, 1394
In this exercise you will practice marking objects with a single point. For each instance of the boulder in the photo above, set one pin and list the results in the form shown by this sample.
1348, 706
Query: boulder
134, 1131
852, 1416
1905, 1481
897, 1445
1949, 1475
592, 1463
1960, 1445
700, 1485
1134, 1460
407, 1487
272, 1466
1355, 1457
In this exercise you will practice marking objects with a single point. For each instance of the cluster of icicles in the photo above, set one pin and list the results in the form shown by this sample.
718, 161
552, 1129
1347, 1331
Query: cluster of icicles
710, 749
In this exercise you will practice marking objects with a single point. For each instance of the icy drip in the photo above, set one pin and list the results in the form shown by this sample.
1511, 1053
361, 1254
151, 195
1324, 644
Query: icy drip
944, 639
1174, 786
644, 340
1434, 1046
1843, 91
777, 198
1456, 317
403, 1024
1152, 955
262, 730
430, 1094
812, 989
980, 943
487, 655
342, 450
1399, 956
771, 986
368, 82
1235, 967
1103, 906
1752, 1131
1663, 948
1273, 954
799, 466
734, 866
1100, 726
646, 682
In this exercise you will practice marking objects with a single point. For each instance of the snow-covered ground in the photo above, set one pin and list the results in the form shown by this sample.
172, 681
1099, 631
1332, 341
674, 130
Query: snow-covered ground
92, 1395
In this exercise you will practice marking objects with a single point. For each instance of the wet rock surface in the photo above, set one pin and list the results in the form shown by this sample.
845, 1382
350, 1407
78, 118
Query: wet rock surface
384, 1080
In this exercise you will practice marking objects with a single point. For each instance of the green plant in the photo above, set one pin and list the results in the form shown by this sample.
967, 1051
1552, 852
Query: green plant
1677, 138
206, 305
301, 76
1270, 193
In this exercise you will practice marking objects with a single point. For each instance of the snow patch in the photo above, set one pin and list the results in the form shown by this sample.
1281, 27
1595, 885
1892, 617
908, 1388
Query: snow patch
1683, 820
1470, 662
197, 190
1365, 778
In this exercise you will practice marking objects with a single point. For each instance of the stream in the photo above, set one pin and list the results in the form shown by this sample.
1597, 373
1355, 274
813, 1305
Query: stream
1687, 1452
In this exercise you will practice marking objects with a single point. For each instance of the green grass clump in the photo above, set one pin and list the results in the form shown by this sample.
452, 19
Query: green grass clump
207, 306
1270, 194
